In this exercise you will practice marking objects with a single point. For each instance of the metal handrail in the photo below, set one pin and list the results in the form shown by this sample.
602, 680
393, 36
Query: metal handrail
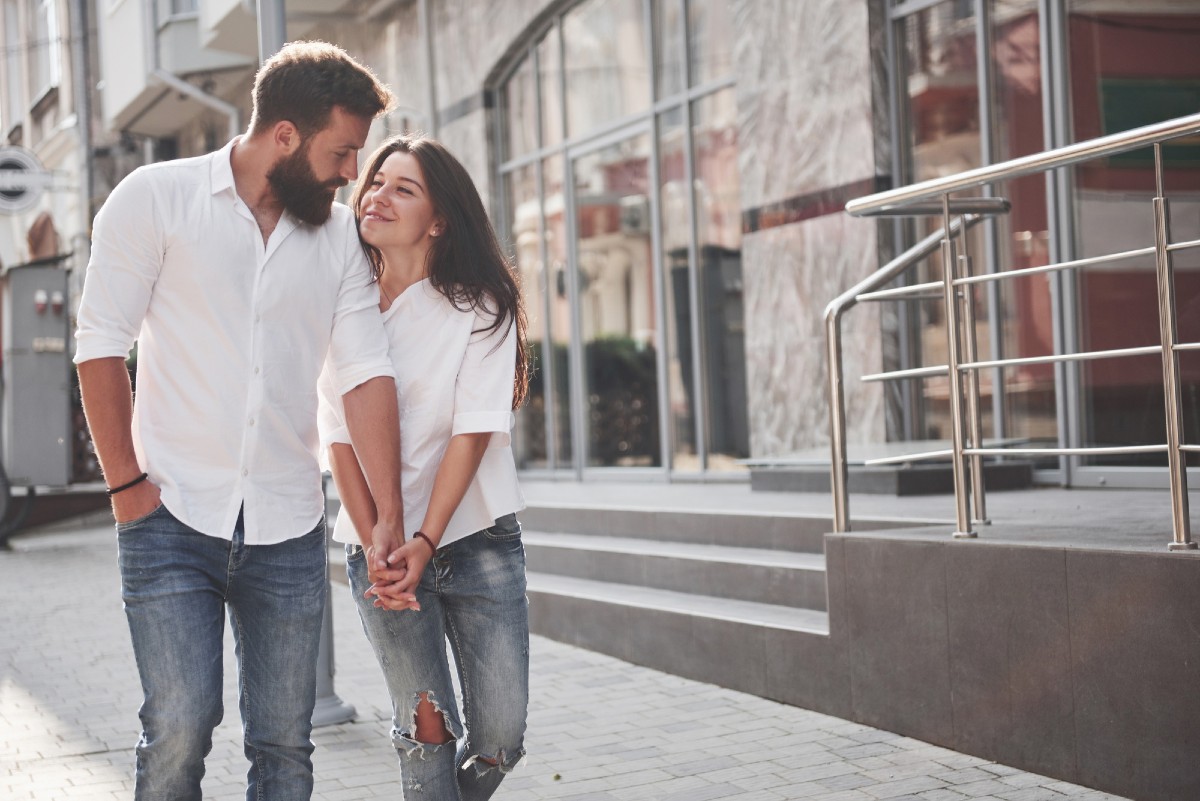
963, 367
833, 343
1113, 144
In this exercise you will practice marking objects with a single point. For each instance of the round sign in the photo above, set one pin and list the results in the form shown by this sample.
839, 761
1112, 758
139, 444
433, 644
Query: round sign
22, 179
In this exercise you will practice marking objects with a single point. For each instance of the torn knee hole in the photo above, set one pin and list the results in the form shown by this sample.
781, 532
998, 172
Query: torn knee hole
503, 761
430, 725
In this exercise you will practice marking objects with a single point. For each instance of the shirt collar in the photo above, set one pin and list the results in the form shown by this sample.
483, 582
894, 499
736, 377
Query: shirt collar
222, 168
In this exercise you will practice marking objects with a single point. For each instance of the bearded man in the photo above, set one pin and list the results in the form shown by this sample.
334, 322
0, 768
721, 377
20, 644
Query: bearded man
237, 275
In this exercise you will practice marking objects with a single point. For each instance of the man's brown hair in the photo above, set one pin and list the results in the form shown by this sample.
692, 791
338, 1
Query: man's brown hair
305, 80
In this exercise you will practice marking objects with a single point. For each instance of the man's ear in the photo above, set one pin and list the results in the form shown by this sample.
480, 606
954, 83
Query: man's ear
286, 137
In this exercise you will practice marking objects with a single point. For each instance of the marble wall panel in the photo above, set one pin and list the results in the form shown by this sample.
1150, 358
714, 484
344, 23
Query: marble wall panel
804, 85
791, 272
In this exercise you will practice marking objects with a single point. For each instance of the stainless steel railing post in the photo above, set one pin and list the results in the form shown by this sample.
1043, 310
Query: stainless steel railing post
839, 468
1176, 463
974, 418
962, 514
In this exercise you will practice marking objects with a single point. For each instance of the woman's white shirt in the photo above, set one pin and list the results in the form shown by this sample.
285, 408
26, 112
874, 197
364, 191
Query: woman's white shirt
452, 377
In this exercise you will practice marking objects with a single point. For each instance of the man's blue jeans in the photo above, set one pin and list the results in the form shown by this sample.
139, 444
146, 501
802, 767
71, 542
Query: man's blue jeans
176, 583
473, 594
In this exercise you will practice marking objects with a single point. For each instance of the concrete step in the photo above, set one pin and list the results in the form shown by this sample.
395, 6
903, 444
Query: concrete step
700, 607
765, 576
744, 529
738, 644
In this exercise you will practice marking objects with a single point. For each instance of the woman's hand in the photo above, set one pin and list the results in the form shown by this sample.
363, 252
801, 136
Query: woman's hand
411, 558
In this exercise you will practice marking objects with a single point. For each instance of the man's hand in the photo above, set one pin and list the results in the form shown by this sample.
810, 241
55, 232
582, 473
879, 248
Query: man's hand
385, 574
138, 501
400, 594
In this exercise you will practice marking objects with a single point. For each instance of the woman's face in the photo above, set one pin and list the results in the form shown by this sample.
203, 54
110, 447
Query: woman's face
395, 212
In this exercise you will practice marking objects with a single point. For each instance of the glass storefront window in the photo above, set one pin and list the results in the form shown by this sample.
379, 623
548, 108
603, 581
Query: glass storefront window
605, 63
521, 110
674, 203
669, 46
941, 94
1127, 70
639, 340
524, 225
1022, 236
617, 317
719, 256
549, 71
560, 311
710, 40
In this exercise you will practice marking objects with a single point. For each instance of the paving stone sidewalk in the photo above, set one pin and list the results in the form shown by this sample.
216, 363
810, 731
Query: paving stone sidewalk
599, 728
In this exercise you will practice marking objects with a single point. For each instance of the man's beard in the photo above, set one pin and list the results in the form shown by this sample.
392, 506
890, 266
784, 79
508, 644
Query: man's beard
302, 195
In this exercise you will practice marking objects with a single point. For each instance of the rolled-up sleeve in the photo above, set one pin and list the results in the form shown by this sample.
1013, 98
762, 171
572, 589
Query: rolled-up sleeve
484, 390
331, 415
125, 263
358, 349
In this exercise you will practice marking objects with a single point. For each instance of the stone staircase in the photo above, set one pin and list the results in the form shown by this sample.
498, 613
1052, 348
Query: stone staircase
703, 594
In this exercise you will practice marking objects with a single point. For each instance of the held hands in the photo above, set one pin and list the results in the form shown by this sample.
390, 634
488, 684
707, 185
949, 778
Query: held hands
393, 577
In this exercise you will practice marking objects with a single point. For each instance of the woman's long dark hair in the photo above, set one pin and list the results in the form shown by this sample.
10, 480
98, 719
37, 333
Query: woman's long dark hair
466, 263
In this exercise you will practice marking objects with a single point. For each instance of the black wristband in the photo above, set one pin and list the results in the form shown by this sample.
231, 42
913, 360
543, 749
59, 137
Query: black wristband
429, 542
127, 485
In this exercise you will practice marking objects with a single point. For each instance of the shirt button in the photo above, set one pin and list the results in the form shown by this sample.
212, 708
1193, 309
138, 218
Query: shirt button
257, 318
256, 371
245, 472
251, 421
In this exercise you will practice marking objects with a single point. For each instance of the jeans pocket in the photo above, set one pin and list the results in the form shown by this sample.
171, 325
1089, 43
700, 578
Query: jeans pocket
506, 528
137, 521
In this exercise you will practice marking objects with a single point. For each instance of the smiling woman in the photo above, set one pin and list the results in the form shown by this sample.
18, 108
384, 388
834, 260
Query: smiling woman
395, 211
456, 334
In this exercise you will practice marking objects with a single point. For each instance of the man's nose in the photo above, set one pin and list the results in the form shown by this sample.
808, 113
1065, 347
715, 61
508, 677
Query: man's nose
349, 169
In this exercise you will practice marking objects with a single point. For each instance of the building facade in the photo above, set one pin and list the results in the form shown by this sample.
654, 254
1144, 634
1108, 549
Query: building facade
669, 176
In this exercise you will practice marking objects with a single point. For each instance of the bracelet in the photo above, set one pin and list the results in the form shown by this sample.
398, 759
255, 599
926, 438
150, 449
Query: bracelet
429, 542
123, 487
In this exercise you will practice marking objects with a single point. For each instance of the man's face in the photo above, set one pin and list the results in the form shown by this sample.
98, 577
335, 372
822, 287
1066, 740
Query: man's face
307, 181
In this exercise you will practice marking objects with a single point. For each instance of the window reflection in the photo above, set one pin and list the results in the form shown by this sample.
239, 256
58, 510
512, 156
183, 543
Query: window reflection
525, 238
1128, 70
940, 74
719, 277
549, 71
1022, 235
520, 110
605, 62
616, 304
710, 40
560, 321
675, 209
669, 44
599, 299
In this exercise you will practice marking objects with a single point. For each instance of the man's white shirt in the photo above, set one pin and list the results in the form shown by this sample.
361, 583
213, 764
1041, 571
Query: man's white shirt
232, 335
